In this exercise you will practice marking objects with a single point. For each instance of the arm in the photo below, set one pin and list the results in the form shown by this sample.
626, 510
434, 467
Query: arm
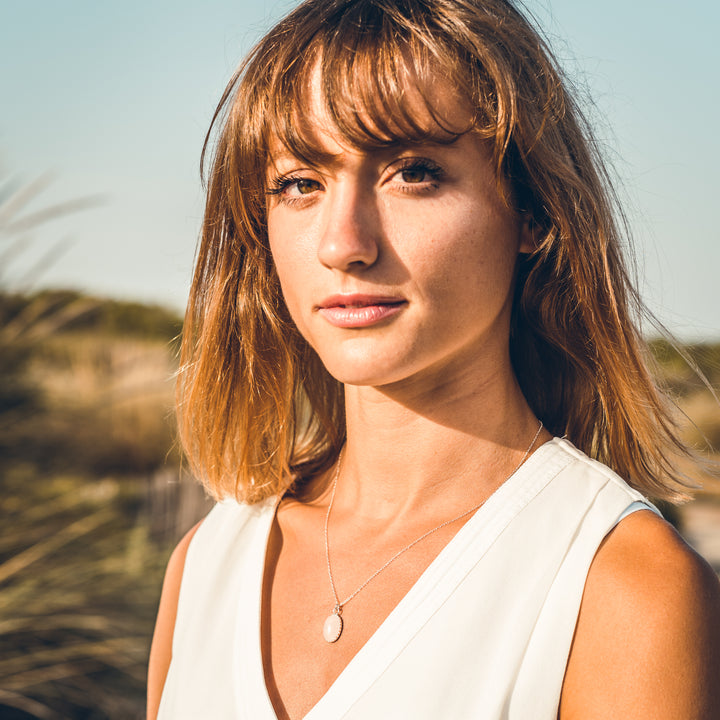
647, 642
161, 648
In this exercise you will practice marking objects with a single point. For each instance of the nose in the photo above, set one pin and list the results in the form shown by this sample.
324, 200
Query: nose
350, 232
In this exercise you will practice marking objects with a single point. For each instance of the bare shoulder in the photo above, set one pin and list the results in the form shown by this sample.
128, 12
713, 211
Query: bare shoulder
647, 642
161, 648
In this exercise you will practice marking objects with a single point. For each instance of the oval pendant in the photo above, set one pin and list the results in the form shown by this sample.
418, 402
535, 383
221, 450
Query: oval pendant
333, 627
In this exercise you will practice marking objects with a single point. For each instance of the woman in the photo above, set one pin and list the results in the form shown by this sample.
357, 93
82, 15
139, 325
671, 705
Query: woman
409, 281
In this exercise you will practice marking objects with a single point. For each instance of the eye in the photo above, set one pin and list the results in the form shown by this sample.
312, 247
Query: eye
413, 175
417, 175
290, 188
303, 186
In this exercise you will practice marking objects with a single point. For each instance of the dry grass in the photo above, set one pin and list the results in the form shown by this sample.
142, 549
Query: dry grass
118, 391
692, 376
86, 437
92, 503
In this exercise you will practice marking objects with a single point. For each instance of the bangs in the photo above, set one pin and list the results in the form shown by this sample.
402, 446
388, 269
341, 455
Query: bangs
373, 73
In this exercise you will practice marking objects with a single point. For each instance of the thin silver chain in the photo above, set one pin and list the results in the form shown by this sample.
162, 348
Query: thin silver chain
338, 604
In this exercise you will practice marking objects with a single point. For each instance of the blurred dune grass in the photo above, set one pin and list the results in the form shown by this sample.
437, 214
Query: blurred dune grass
92, 501
92, 494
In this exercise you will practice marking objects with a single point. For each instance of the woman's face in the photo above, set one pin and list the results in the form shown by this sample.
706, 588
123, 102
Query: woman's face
395, 263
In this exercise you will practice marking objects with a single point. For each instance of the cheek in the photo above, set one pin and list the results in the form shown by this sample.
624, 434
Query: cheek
293, 245
472, 254
283, 248
292, 268
291, 285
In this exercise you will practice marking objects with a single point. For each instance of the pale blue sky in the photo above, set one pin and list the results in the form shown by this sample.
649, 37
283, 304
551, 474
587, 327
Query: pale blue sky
115, 99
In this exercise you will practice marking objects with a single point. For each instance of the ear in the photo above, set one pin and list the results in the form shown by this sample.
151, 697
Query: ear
528, 234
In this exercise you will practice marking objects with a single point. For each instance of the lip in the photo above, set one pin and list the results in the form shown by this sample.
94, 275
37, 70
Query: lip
359, 310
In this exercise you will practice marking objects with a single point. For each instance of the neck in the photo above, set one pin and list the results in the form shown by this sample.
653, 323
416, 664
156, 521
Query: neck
432, 446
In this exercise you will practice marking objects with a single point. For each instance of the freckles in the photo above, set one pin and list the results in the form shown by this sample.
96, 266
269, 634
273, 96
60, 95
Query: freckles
289, 248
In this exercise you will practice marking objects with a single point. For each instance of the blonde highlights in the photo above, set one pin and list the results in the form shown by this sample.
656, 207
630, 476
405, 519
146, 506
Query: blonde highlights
258, 411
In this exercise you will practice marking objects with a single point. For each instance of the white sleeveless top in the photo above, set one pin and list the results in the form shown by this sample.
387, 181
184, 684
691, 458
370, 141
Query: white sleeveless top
484, 633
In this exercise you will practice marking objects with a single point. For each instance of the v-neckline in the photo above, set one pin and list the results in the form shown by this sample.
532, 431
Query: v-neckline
435, 584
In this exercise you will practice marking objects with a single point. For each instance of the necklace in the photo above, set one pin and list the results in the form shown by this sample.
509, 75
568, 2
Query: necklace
333, 626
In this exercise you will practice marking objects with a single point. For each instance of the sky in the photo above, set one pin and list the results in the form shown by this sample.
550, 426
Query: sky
108, 103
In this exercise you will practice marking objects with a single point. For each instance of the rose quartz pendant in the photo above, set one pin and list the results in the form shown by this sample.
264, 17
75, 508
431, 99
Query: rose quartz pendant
333, 627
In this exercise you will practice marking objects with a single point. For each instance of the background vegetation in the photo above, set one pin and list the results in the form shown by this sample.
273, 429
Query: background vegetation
92, 498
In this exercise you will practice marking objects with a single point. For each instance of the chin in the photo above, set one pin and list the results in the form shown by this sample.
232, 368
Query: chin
361, 377
364, 371
374, 374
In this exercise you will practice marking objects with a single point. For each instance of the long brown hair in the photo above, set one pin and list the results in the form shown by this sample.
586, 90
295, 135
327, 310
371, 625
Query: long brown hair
258, 411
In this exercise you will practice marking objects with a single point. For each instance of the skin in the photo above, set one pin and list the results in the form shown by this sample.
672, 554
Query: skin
647, 642
435, 423
161, 648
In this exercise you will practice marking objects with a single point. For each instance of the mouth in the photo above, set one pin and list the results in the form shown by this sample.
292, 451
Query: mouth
357, 311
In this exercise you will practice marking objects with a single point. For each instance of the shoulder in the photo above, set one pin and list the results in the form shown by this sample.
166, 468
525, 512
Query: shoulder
647, 641
161, 648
